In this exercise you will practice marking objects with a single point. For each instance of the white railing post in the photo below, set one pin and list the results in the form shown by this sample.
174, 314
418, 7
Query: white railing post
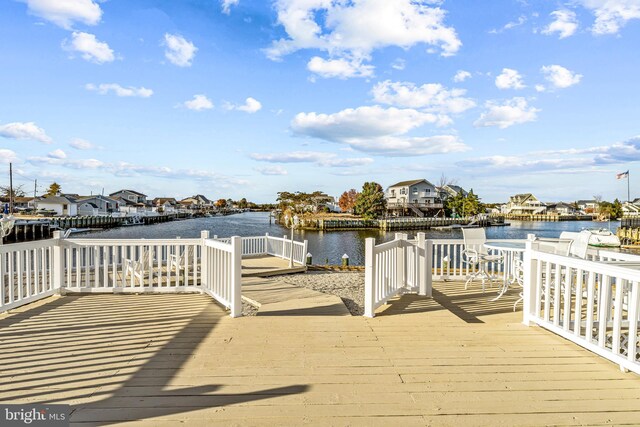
304, 251
204, 259
266, 243
529, 283
236, 276
57, 264
426, 267
401, 264
369, 278
421, 262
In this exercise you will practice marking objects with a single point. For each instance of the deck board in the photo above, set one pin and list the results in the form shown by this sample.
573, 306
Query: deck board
160, 360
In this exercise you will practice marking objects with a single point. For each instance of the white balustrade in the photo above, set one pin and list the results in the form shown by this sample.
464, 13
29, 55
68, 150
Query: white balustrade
395, 267
594, 304
222, 264
26, 273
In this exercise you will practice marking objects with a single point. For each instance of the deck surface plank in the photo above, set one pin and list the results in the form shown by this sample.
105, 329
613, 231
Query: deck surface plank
160, 360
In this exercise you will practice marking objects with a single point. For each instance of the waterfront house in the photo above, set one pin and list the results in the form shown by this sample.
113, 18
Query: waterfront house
451, 190
60, 204
24, 203
130, 195
524, 204
197, 202
587, 206
165, 204
97, 205
630, 209
415, 197
562, 208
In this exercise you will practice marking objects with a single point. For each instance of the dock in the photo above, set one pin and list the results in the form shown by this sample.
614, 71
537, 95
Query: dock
164, 360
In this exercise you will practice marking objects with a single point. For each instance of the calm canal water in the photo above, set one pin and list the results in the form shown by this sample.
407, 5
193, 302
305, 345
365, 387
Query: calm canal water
326, 247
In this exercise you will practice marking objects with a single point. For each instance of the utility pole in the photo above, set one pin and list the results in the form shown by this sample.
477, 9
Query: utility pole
10, 188
35, 189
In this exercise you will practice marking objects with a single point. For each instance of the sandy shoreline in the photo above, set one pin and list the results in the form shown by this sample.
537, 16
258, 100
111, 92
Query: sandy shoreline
348, 285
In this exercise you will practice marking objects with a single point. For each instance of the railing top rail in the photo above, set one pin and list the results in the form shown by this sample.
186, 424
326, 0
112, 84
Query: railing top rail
620, 255
387, 245
217, 244
38, 244
461, 241
131, 242
616, 270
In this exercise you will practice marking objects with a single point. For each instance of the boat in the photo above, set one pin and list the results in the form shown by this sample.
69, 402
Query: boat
598, 237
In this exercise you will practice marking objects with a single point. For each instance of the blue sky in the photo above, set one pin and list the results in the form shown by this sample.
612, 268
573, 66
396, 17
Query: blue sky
239, 98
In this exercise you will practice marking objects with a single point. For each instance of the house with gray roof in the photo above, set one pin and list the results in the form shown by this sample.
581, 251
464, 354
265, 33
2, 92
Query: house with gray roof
416, 197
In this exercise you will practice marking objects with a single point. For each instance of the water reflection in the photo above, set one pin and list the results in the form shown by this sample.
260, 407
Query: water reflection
325, 247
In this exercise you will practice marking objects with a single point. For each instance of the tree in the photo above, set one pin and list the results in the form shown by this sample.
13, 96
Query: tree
611, 210
243, 204
54, 189
5, 192
221, 203
464, 205
347, 200
370, 203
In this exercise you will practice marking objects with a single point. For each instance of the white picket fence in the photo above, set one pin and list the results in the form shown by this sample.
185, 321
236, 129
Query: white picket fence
35, 270
595, 304
396, 267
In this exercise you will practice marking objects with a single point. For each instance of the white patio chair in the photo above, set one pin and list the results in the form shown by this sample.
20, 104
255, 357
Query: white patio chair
476, 257
179, 262
135, 270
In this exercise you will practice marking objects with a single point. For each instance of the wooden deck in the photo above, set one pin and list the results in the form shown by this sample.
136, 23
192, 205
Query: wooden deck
161, 360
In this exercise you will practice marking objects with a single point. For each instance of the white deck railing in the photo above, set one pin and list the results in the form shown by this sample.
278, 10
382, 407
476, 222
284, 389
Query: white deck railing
594, 304
395, 267
275, 246
449, 264
26, 273
222, 267
34, 270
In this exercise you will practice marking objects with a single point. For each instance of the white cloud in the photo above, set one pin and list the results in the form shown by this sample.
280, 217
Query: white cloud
344, 29
399, 64
124, 169
540, 88
57, 154
317, 157
179, 51
560, 161
250, 106
272, 170
65, 12
509, 79
511, 112
199, 103
461, 76
510, 25
7, 156
376, 130
105, 88
565, 24
431, 97
89, 47
560, 77
340, 68
226, 5
81, 144
21, 131
611, 15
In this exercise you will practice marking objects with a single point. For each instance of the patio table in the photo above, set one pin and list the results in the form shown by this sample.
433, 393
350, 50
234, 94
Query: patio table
510, 251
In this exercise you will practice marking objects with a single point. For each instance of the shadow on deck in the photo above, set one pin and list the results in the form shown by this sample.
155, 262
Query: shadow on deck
164, 360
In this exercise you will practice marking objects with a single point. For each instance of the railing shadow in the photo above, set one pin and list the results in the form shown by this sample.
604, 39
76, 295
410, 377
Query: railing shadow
468, 305
117, 358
